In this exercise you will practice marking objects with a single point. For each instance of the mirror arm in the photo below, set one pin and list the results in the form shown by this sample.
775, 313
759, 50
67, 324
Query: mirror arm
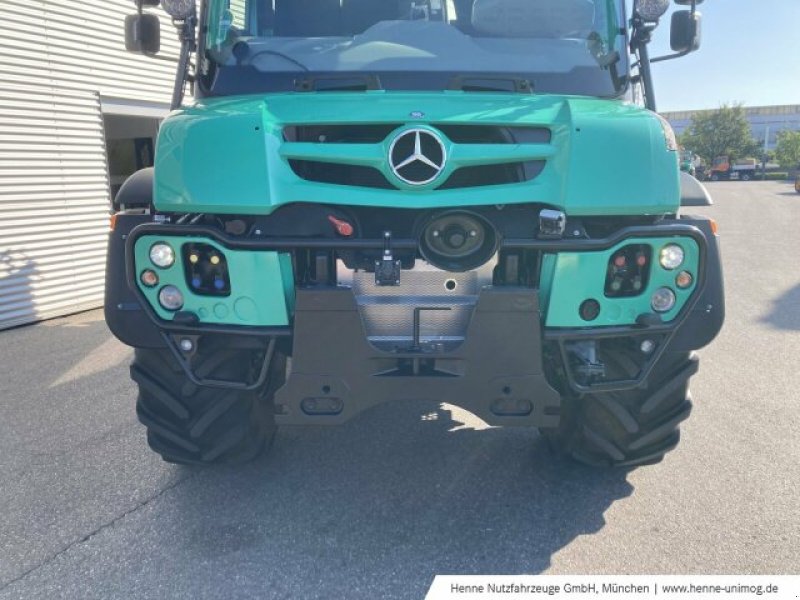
188, 47
670, 56
640, 37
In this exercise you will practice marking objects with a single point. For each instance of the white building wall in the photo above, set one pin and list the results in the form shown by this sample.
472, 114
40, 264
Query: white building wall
62, 61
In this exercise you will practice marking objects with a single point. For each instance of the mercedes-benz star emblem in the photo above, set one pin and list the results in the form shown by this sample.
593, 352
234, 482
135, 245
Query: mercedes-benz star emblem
417, 156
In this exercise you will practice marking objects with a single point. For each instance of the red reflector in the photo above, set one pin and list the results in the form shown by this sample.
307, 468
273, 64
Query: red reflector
343, 228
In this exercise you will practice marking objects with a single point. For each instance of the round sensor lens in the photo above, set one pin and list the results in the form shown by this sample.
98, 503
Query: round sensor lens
171, 298
589, 309
663, 300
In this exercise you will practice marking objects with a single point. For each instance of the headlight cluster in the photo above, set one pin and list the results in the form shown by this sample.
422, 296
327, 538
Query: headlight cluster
630, 268
671, 257
204, 267
162, 255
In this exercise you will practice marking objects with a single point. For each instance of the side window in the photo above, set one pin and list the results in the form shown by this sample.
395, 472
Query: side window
238, 10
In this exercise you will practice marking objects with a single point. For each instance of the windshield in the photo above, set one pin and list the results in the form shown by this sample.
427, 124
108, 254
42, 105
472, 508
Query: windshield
551, 46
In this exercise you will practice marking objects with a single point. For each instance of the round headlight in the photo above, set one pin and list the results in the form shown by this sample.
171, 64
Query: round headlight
671, 256
162, 255
179, 9
663, 300
170, 298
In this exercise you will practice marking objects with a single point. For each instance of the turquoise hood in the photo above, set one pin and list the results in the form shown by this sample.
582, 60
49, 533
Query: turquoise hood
229, 156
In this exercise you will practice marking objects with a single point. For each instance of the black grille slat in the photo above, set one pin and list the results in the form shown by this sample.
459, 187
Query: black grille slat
491, 134
465, 177
502, 174
339, 174
339, 134
375, 133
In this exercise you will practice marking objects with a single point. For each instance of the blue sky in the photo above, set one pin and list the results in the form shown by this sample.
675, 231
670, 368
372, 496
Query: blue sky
750, 54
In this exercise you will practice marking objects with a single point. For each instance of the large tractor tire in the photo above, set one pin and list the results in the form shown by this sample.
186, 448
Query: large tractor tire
198, 425
628, 428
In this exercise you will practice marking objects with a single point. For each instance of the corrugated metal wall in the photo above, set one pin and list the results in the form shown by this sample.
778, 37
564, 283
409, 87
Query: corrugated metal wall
59, 59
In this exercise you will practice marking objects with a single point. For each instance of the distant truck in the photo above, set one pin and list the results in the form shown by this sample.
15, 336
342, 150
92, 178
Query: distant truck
687, 162
743, 169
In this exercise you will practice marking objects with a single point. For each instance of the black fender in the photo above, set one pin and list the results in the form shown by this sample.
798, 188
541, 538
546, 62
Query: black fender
137, 191
125, 316
694, 193
705, 320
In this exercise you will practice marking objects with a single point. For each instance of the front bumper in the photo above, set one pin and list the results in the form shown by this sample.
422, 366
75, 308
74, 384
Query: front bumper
482, 358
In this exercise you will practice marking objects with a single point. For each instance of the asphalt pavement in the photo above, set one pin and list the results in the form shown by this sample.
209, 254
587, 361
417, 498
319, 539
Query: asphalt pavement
376, 508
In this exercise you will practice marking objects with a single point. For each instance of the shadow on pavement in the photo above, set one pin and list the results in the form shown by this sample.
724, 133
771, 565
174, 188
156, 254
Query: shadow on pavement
17, 271
396, 496
785, 313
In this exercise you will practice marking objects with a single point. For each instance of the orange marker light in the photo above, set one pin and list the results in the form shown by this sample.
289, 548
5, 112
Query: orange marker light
112, 222
149, 278
714, 227
684, 280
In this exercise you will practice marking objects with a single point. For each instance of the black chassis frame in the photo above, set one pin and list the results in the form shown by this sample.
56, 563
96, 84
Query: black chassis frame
496, 374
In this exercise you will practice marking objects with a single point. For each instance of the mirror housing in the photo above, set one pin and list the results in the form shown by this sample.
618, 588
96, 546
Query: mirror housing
142, 34
685, 31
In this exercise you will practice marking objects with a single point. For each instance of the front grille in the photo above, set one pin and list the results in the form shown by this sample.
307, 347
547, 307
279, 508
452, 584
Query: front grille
512, 154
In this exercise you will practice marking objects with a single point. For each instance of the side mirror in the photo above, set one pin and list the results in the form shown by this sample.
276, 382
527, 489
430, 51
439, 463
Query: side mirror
142, 34
685, 32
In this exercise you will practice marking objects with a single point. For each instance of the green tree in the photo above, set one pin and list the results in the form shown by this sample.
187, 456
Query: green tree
787, 152
723, 132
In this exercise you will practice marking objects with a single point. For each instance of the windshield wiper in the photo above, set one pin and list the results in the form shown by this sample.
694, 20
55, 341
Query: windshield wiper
490, 82
241, 51
606, 60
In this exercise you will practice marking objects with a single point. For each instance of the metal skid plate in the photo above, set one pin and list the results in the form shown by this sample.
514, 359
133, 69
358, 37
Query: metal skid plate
496, 373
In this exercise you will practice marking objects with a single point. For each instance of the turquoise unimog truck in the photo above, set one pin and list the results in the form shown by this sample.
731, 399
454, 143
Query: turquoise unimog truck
368, 201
